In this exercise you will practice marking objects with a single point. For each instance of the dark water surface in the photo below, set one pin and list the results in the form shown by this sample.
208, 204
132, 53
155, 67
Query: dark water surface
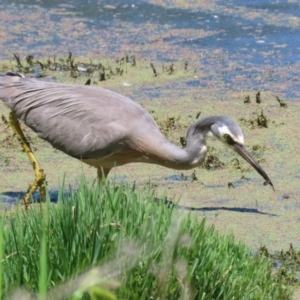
242, 45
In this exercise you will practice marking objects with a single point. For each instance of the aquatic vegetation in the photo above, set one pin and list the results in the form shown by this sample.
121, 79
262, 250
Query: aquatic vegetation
281, 102
258, 98
247, 99
259, 121
138, 248
286, 264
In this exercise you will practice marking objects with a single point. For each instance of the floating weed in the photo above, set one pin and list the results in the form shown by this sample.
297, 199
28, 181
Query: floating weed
18, 59
258, 153
194, 176
230, 185
235, 164
251, 124
281, 102
186, 65
171, 69
75, 68
258, 147
70, 69
183, 141
4, 120
247, 99
285, 264
212, 161
153, 69
260, 121
170, 124
258, 98
198, 115
133, 61
88, 82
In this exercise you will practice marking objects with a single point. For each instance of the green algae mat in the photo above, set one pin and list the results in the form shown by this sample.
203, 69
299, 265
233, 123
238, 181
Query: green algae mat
225, 190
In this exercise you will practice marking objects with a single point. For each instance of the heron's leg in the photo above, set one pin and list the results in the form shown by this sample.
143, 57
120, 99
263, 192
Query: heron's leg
40, 177
102, 172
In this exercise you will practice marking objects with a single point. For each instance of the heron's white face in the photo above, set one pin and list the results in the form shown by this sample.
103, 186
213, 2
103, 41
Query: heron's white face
227, 135
224, 132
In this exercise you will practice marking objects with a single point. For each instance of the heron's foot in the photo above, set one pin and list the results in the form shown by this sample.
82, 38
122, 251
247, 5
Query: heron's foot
39, 183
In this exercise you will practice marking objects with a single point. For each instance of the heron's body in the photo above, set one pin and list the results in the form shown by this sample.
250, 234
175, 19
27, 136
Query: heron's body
96, 125
105, 129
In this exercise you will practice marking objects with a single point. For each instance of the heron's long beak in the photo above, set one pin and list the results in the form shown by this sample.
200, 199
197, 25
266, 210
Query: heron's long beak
244, 153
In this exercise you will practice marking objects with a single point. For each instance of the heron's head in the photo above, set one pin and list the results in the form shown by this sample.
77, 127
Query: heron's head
230, 134
227, 131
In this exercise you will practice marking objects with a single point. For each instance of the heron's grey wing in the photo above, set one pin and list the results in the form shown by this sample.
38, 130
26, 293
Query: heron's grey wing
82, 121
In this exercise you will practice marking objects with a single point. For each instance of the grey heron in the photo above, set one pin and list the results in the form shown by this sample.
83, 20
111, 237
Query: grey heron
105, 129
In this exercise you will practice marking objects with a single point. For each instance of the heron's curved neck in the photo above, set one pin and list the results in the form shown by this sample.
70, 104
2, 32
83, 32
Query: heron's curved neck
183, 159
171, 156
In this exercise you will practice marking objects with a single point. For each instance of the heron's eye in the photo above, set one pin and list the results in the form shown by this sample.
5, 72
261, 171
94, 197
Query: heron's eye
228, 139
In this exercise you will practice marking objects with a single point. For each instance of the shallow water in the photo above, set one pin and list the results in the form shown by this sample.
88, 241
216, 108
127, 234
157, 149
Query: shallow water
240, 45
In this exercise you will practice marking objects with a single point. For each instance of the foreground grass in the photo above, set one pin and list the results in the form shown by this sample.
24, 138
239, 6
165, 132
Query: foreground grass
137, 247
